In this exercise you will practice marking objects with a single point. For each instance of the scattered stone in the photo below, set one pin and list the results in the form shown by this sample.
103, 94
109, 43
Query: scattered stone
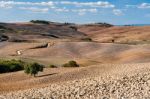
127, 87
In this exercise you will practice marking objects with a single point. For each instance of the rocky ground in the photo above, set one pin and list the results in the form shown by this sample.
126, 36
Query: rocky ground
136, 86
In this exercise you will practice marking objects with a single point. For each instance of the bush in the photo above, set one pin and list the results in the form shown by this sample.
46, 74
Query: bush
3, 38
16, 40
17, 65
41, 46
2, 27
71, 64
33, 69
40, 21
105, 24
74, 28
52, 66
87, 39
11, 65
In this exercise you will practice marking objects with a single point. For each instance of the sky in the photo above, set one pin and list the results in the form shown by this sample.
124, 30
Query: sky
116, 12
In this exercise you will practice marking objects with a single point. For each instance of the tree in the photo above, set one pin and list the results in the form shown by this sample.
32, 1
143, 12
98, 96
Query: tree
71, 64
33, 69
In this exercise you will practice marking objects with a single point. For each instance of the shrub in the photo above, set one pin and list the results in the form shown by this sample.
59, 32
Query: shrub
2, 27
33, 69
11, 65
17, 65
74, 28
52, 66
16, 40
105, 24
113, 41
41, 46
87, 39
71, 64
4, 37
65, 65
40, 21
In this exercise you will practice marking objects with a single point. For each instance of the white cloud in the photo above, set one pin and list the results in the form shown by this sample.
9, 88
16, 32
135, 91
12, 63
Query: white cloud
144, 5
64, 9
35, 9
86, 7
140, 6
84, 11
101, 4
10, 4
4, 4
117, 12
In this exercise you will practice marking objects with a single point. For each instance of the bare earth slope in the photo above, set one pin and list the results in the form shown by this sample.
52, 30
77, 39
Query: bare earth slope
84, 52
101, 81
120, 34
31, 31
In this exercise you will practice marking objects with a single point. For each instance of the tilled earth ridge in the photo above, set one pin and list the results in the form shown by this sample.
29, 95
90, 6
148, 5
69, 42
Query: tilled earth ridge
136, 86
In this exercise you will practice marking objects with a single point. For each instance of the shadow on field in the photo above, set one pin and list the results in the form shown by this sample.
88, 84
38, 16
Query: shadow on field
46, 75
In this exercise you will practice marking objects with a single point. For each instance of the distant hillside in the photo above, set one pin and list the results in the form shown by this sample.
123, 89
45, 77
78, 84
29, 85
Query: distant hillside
117, 34
101, 32
41, 30
90, 28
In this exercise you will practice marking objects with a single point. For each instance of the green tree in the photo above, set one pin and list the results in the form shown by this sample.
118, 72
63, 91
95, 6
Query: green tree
71, 64
33, 69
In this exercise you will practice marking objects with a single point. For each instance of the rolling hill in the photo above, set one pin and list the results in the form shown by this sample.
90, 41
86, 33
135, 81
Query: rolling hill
114, 60
32, 31
118, 34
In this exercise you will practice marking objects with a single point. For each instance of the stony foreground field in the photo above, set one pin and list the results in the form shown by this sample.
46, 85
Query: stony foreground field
128, 86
